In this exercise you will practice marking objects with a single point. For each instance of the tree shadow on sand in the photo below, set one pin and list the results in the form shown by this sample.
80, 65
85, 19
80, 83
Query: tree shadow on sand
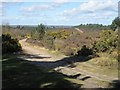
18, 73
114, 84
31, 56
63, 62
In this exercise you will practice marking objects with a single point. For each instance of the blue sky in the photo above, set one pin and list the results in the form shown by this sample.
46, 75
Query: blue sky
60, 12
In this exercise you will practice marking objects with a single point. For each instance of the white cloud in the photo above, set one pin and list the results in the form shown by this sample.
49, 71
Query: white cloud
35, 8
42, 7
72, 12
92, 7
96, 16
59, 2
104, 15
34, 14
110, 13
39, 10
91, 11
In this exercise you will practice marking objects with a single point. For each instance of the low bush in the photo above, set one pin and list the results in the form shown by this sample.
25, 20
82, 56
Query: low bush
59, 44
87, 37
85, 51
58, 34
107, 43
105, 59
22, 35
68, 52
10, 44
39, 32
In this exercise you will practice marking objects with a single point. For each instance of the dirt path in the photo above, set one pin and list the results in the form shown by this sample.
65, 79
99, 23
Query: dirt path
42, 58
39, 52
77, 70
79, 30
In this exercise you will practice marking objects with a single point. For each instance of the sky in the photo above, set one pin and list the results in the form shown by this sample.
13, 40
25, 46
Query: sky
58, 12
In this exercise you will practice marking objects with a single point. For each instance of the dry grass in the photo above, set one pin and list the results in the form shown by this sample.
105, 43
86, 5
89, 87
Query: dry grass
105, 59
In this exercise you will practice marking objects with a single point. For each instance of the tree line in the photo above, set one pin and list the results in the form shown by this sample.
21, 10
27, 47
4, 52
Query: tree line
113, 26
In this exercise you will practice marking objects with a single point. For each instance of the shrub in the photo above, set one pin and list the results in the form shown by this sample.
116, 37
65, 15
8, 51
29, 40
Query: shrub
68, 51
22, 35
58, 34
105, 59
10, 44
59, 44
55, 39
85, 51
115, 23
39, 32
107, 43
35, 35
87, 37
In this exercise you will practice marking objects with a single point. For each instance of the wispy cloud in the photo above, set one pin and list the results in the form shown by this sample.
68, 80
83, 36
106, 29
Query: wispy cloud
44, 6
34, 8
92, 7
59, 2
59, 12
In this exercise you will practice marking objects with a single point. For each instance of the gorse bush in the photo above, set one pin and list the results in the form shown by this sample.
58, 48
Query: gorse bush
58, 34
108, 41
10, 44
54, 39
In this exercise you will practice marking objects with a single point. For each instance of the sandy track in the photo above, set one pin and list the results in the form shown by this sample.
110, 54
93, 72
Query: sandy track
41, 57
44, 59
28, 49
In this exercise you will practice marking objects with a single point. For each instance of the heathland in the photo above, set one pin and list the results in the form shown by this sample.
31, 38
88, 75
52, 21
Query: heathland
83, 56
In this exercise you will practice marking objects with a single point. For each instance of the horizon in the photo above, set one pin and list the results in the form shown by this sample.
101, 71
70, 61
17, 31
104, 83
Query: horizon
51, 24
60, 12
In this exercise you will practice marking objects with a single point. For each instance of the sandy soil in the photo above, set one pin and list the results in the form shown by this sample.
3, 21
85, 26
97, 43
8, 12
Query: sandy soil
41, 57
